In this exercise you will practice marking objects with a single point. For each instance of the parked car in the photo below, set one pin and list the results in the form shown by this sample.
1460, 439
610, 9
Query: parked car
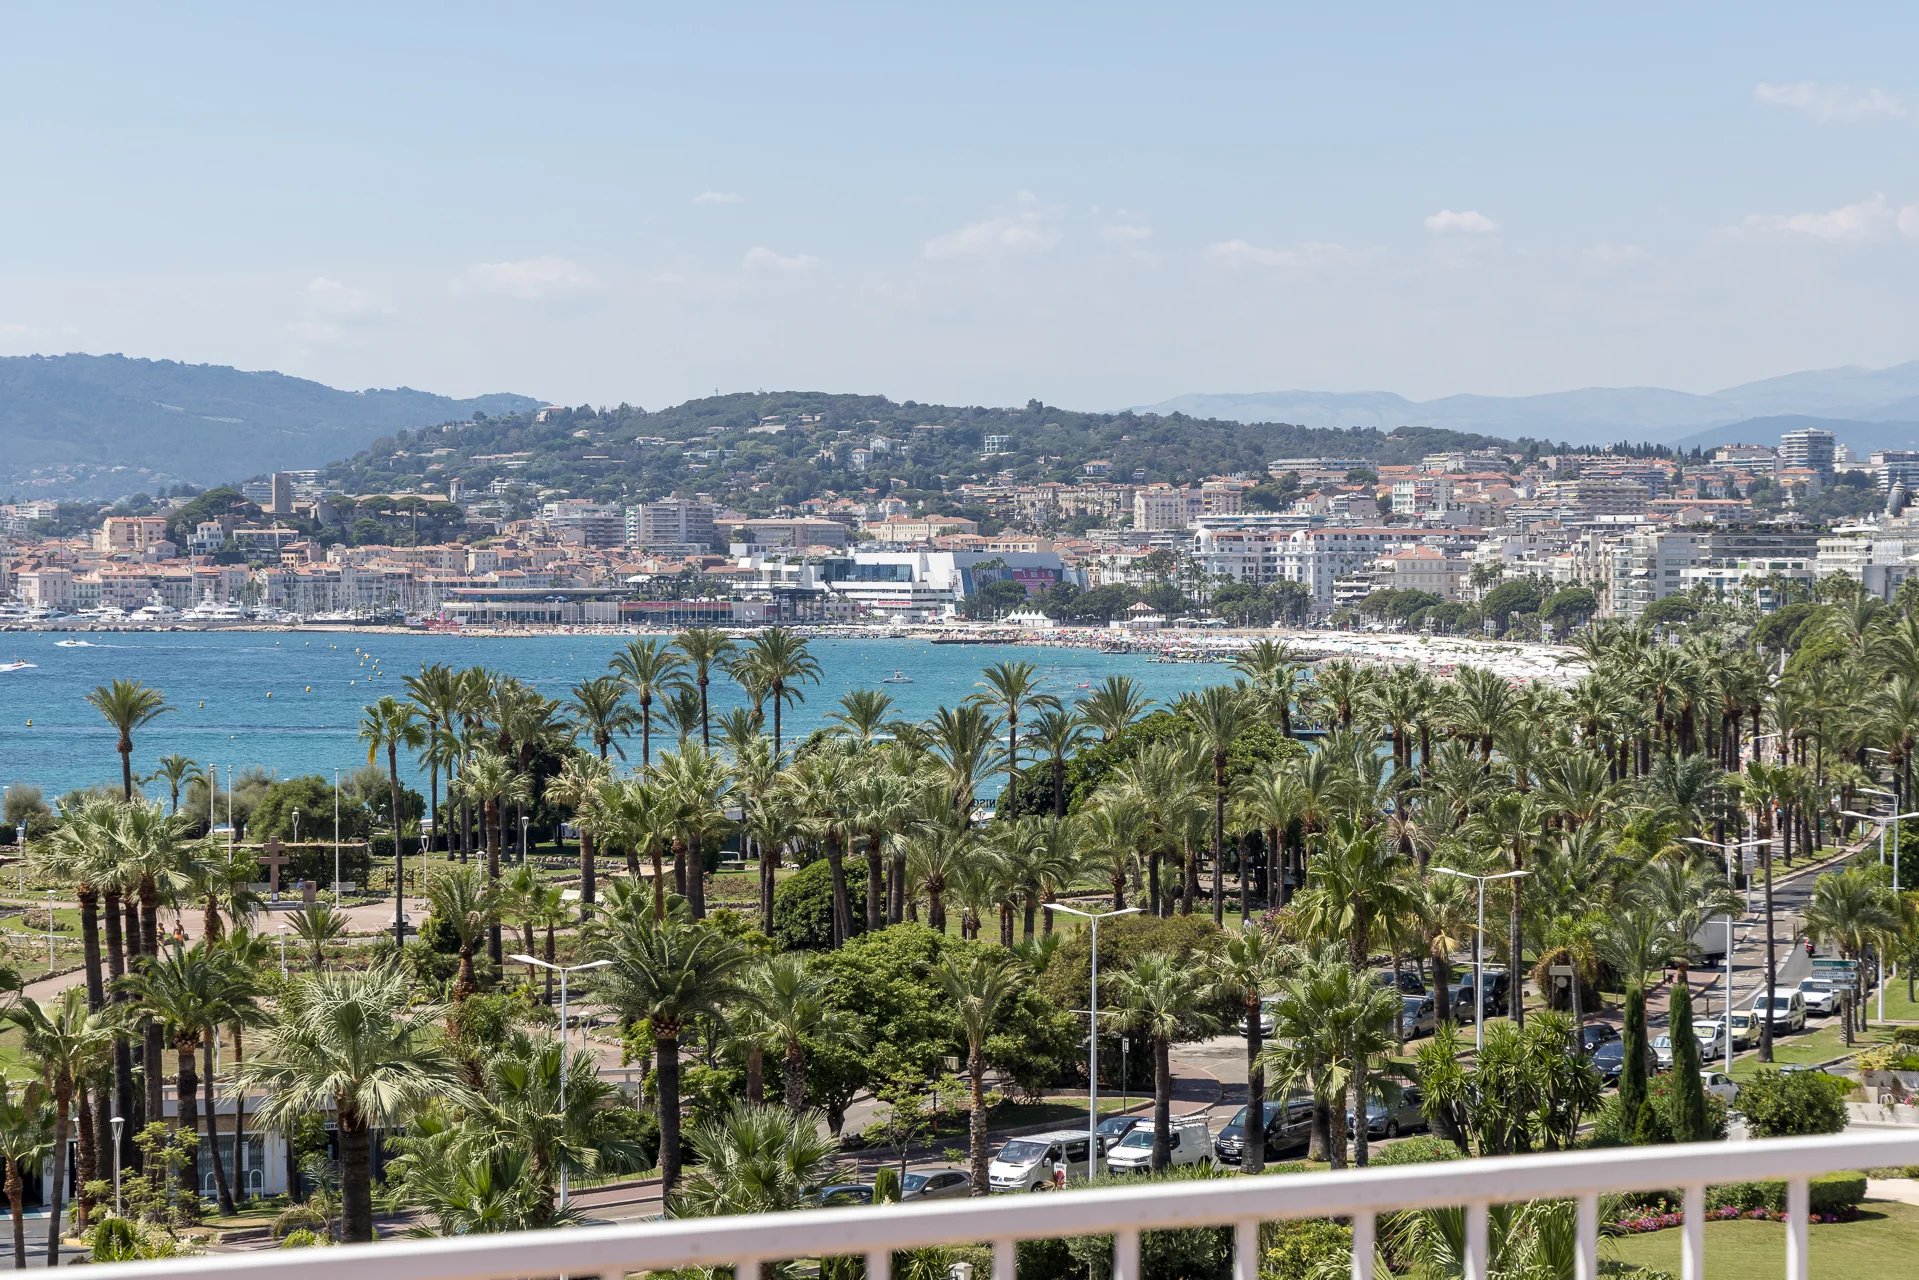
1419, 1017
936, 1184
1820, 995
1189, 1143
1594, 1036
1113, 1128
1403, 1116
844, 1193
1026, 1164
1268, 1018
1786, 1008
1288, 1124
1410, 983
1708, 1035
1744, 1025
1720, 1086
1662, 1051
1610, 1060
1462, 1004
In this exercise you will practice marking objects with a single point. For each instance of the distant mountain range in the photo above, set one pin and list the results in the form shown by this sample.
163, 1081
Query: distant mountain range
1866, 408
85, 426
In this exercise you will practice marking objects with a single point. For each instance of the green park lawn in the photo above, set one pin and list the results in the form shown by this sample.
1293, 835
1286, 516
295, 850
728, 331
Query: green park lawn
1815, 1045
1879, 1243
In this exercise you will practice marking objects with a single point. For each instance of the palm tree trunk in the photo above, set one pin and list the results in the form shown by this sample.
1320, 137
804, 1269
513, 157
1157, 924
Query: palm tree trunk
86, 1154
239, 1126
1219, 838
696, 876
755, 1075
588, 877
876, 890
1359, 1114
1163, 1103
223, 1189
155, 1039
356, 1178
122, 1104
666, 1075
793, 1077
62, 1113
896, 891
1515, 947
399, 859
125, 749
17, 1202
1254, 1151
187, 1114
976, 1122
490, 820
842, 911
936, 907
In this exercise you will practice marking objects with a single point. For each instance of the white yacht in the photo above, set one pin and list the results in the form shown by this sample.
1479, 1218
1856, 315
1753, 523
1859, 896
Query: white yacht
155, 612
210, 612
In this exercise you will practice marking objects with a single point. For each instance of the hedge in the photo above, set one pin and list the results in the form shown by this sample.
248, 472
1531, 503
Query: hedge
1424, 1149
1828, 1193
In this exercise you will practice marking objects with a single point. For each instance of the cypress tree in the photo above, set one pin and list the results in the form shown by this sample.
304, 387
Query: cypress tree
1689, 1123
1633, 1118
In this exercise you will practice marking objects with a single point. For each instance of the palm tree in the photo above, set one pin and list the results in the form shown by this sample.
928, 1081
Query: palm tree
650, 668
177, 770
1327, 1022
1011, 689
982, 986
319, 923
1159, 997
1112, 705
490, 780
694, 788
776, 662
1058, 733
820, 782
1217, 716
1857, 912
127, 705
756, 1160
704, 649
222, 876
1511, 823
26, 1135
66, 1045
790, 1007
577, 787
936, 857
961, 739
354, 1042
861, 715
389, 725
670, 974
1273, 672
435, 695
1243, 969
599, 710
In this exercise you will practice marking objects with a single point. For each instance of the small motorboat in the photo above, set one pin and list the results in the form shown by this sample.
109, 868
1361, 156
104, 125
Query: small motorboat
74, 644
898, 677
16, 665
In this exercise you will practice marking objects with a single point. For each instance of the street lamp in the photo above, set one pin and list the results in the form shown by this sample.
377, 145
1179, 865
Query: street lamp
562, 970
336, 837
283, 951
1729, 848
1479, 954
118, 1123
296, 826
20, 842
49, 933
1092, 1021
524, 821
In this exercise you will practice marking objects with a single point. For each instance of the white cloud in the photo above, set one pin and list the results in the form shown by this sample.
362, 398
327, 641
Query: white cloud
719, 197
1848, 224
761, 258
1032, 228
1313, 253
1466, 222
1832, 103
532, 279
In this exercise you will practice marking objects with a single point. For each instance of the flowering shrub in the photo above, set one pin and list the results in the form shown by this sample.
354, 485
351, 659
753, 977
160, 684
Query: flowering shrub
1640, 1223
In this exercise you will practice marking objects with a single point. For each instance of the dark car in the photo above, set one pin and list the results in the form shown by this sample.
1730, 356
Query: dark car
1113, 1128
1609, 1060
1463, 1006
1410, 983
844, 1193
1595, 1036
1288, 1124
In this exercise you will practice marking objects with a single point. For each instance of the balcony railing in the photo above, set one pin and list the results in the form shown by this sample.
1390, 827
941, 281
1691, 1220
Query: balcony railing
1124, 1212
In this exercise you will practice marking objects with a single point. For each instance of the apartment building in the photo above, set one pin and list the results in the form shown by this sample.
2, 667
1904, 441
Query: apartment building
1425, 569
131, 535
670, 524
591, 524
1809, 447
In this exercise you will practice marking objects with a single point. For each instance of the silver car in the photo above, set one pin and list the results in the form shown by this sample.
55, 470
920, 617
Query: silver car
1403, 1116
936, 1184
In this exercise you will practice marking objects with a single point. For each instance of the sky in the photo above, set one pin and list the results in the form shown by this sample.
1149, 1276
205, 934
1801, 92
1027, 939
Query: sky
1094, 205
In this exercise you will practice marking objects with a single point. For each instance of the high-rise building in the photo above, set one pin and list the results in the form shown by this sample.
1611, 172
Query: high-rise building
280, 494
1809, 447
670, 522
1897, 466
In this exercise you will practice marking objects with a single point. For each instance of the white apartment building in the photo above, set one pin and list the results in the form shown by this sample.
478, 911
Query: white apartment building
670, 524
1317, 558
1159, 507
596, 524
1425, 569
1880, 557
1810, 448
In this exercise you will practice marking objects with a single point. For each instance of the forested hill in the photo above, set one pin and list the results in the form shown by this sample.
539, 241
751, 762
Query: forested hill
765, 449
76, 426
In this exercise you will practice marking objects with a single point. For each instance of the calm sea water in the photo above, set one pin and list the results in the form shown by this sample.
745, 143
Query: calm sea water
219, 682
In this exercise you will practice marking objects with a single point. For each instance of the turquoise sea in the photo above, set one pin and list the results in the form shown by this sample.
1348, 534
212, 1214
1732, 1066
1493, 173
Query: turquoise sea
219, 682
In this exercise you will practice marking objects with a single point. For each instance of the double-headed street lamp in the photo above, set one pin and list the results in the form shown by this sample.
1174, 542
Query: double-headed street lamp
1884, 820
563, 971
1479, 954
1092, 1022
1730, 848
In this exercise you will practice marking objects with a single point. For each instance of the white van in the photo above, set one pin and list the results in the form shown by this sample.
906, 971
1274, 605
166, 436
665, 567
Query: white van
1026, 1164
1188, 1139
1787, 1011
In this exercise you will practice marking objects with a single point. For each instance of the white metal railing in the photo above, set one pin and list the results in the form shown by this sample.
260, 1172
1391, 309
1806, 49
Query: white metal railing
1240, 1203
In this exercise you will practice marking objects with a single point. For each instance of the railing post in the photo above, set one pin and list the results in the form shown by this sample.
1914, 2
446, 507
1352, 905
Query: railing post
1693, 1247
1246, 1249
1126, 1256
1476, 1249
879, 1265
1586, 1240
1005, 1259
746, 1269
1363, 1246
1798, 1209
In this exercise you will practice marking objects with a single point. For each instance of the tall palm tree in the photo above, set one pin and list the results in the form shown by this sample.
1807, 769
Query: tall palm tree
1511, 823
1327, 1020
671, 974
651, 668
1217, 715
599, 710
862, 715
937, 854
489, 779
26, 1135
820, 783
961, 740
982, 986
1113, 704
1857, 912
1158, 997
1057, 733
387, 726
354, 1042
127, 705
776, 662
790, 1007
462, 899
176, 770
1272, 670
66, 1045
704, 649
577, 787
694, 788
435, 695
1243, 969
1011, 689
